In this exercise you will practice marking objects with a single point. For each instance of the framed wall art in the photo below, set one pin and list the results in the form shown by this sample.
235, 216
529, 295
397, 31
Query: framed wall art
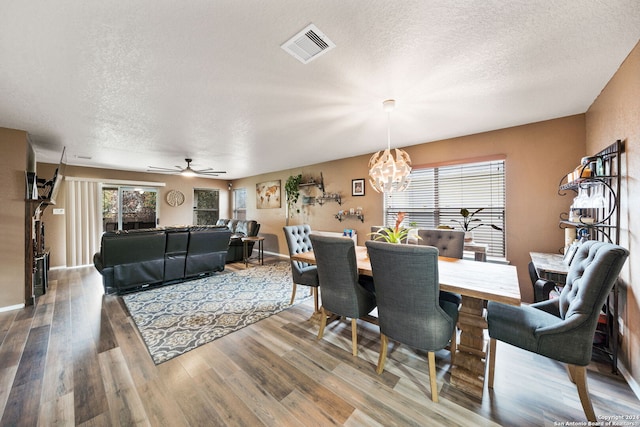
357, 187
268, 195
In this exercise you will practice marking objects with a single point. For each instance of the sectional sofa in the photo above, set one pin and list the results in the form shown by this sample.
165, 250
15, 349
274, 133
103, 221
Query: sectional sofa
136, 259
239, 229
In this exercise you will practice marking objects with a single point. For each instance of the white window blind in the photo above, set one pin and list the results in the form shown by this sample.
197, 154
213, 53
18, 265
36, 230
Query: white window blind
437, 194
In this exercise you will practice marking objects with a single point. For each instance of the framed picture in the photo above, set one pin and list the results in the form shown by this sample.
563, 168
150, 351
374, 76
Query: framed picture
268, 195
357, 187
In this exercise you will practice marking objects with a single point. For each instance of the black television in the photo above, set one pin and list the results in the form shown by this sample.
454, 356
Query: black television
56, 182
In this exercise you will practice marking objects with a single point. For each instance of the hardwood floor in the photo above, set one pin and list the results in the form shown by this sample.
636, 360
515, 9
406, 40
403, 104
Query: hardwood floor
76, 358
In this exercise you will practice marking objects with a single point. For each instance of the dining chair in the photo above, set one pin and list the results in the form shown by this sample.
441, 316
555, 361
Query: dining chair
541, 287
409, 309
450, 243
562, 328
297, 237
341, 292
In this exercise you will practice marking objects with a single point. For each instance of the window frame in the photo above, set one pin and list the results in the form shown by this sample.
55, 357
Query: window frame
439, 207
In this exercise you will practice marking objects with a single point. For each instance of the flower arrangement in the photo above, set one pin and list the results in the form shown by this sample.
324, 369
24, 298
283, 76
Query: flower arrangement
393, 234
468, 222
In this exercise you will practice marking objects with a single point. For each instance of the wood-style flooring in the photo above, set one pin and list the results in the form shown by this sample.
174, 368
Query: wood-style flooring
76, 358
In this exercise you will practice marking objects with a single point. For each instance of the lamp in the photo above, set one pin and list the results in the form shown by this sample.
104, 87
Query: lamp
387, 174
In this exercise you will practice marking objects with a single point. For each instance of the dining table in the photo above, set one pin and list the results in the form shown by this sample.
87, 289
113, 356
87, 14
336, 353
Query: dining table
477, 282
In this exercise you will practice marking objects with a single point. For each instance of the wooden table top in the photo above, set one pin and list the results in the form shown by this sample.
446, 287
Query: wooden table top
553, 263
482, 280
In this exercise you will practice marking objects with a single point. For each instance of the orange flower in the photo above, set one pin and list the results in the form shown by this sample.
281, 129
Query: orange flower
399, 219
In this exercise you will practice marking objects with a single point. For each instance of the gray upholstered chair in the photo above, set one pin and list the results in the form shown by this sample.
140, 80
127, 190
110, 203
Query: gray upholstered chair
541, 287
341, 293
563, 328
409, 311
297, 237
450, 243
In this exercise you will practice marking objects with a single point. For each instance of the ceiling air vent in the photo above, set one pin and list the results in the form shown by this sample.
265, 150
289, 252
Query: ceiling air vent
308, 44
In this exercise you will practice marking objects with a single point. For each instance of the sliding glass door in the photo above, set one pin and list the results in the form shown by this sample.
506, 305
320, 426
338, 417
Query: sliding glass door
129, 208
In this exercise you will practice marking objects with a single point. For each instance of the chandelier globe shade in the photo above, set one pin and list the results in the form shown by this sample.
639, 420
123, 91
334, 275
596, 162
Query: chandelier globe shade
389, 172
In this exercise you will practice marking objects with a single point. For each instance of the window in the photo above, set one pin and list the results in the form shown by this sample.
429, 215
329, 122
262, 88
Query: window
436, 195
240, 204
206, 206
128, 208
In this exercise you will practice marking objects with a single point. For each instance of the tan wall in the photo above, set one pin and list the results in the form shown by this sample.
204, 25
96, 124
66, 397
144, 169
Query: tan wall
537, 156
13, 164
55, 225
615, 114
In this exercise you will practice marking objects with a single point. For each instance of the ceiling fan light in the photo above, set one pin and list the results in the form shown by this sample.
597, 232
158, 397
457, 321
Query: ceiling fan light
188, 172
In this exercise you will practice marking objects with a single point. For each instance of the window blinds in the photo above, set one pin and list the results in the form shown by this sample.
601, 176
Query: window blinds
437, 194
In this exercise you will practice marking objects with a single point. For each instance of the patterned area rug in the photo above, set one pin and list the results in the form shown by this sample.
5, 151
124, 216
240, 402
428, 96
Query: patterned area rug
178, 318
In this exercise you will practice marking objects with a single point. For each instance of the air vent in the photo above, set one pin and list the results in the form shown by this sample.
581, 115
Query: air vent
308, 44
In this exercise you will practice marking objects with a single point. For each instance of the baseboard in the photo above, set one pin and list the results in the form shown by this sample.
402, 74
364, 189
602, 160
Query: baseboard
633, 384
11, 307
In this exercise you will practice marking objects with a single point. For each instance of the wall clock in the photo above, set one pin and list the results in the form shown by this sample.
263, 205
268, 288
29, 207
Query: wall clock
175, 198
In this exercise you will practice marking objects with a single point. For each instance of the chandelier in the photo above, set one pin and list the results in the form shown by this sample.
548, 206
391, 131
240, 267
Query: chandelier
386, 173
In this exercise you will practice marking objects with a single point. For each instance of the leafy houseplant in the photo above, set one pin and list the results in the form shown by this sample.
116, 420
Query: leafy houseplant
292, 190
393, 234
469, 223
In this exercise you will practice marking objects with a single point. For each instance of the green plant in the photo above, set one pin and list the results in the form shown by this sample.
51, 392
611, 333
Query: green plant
468, 222
292, 190
393, 234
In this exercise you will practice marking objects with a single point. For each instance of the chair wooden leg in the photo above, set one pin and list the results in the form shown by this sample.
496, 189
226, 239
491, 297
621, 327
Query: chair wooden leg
316, 305
384, 341
492, 361
293, 294
454, 345
323, 322
354, 336
578, 375
432, 376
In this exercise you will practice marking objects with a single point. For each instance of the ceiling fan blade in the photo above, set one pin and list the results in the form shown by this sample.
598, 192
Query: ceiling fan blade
207, 170
212, 173
159, 169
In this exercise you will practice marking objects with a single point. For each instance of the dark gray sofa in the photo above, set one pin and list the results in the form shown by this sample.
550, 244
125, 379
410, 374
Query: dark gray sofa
239, 229
135, 259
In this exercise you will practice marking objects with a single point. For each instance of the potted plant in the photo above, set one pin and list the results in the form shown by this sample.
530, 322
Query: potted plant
393, 234
292, 191
469, 223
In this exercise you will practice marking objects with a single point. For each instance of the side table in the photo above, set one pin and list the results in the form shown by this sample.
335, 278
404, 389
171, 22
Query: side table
245, 248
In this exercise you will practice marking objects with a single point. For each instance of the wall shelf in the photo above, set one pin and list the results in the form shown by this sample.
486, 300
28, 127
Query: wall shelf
323, 198
342, 215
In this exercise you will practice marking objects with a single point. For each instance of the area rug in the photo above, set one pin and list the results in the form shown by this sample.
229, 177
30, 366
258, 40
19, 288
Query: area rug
178, 318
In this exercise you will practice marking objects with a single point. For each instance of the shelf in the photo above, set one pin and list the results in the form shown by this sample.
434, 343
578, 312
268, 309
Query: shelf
342, 215
587, 182
606, 225
321, 200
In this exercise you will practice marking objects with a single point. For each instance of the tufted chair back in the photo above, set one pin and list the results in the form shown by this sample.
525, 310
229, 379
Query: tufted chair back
450, 243
297, 237
593, 272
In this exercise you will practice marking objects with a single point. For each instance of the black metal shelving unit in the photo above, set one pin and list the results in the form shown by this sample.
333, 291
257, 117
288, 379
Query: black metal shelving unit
600, 223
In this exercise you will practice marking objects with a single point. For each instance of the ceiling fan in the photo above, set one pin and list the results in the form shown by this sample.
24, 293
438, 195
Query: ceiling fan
188, 171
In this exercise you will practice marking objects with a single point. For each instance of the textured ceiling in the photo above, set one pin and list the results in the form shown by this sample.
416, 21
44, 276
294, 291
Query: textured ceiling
150, 82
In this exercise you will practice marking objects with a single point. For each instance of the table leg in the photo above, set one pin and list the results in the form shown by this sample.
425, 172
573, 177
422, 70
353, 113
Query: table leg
469, 370
245, 255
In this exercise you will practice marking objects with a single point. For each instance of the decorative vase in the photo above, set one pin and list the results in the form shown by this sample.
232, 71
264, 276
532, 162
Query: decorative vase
468, 236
